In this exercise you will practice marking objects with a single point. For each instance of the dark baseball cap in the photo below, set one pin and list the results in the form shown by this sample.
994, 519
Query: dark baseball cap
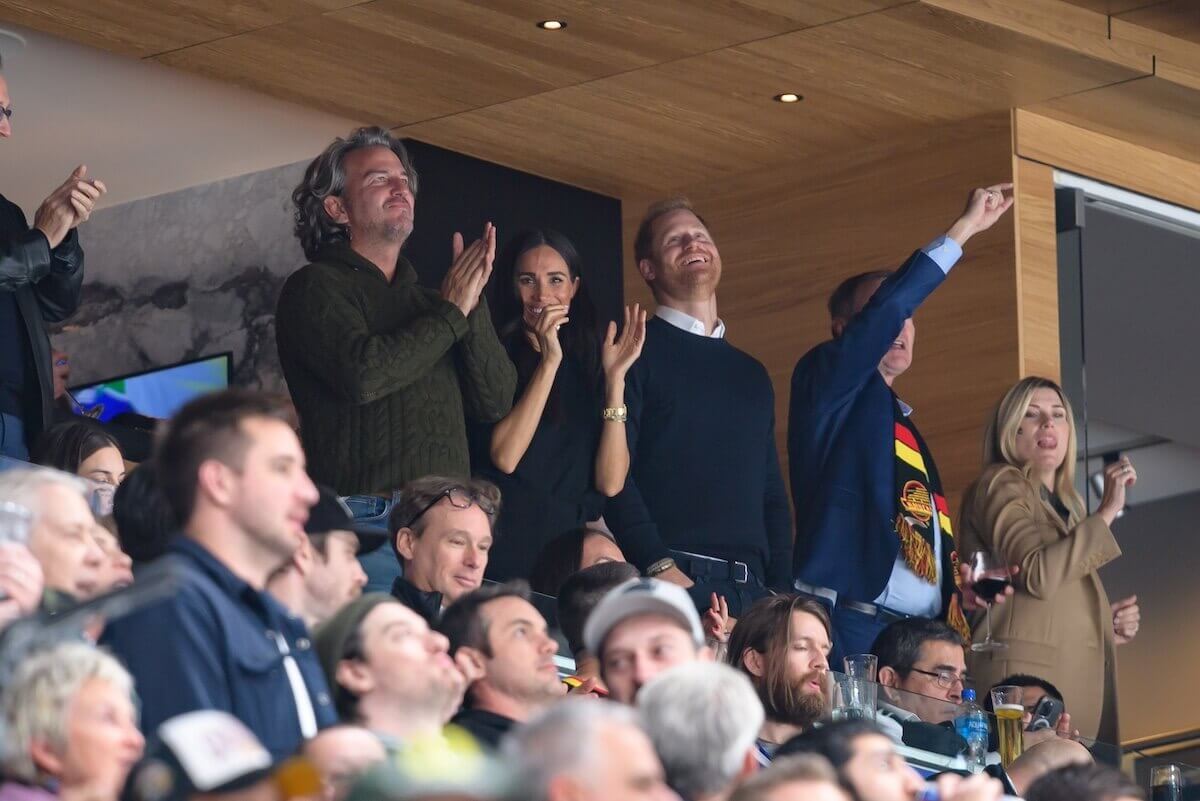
332, 514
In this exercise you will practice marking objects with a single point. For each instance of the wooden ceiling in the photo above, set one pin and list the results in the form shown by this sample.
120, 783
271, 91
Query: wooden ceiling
639, 97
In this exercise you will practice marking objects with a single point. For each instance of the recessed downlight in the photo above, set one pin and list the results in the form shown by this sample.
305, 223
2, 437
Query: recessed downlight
788, 97
552, 24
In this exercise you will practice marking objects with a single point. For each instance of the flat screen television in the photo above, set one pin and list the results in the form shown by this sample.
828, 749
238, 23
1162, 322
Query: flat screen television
158, 392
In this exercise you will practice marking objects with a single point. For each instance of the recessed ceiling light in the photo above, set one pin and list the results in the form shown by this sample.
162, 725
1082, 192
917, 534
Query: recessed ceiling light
552, 24
789, 97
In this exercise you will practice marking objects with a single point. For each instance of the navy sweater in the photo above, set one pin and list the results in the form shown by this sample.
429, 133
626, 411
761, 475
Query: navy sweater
704, 475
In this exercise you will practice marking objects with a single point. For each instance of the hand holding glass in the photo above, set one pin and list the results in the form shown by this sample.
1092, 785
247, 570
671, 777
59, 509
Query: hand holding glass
989, 578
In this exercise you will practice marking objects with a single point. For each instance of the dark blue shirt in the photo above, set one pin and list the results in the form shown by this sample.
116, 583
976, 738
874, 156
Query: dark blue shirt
213, 646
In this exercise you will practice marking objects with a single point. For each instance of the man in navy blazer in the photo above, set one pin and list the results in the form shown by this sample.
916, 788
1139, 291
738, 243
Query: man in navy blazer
875, 546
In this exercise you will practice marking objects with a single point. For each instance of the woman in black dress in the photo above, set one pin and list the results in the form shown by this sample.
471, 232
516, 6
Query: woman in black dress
562, 449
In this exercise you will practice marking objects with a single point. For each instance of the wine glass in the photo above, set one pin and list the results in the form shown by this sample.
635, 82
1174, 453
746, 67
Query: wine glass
989, 578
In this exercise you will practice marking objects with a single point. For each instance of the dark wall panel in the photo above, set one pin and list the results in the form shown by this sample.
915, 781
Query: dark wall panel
461, 193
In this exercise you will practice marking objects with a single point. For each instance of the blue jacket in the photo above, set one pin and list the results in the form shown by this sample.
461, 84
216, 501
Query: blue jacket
210, 647
841, 446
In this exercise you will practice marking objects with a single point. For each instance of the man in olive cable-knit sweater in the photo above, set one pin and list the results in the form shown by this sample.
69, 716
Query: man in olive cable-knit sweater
382, 370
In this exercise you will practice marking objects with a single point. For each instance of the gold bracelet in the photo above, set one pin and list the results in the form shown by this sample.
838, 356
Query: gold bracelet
661, 566
616, 414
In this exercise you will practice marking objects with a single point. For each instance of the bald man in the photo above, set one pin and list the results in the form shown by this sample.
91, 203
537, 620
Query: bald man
1044, 757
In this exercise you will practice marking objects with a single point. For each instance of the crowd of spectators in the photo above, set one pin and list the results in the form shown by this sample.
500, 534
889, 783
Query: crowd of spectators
682, 627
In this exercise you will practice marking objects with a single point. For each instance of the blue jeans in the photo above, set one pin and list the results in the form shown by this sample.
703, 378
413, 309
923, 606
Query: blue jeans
380, 565
12, 437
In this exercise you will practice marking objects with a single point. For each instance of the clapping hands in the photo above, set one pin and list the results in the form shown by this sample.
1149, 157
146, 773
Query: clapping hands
68, 206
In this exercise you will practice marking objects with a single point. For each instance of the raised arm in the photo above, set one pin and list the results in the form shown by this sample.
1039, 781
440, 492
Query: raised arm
839, 367
47, 256
617, 356
627, 514
487, 376
1023, 538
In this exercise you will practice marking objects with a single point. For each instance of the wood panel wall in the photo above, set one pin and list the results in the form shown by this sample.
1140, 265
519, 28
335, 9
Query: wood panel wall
788, 236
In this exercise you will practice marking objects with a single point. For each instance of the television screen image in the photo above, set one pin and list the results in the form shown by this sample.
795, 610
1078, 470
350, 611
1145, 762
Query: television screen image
155, 393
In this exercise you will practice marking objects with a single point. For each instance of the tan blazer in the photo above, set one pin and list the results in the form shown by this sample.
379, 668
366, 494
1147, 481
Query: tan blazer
1058, 624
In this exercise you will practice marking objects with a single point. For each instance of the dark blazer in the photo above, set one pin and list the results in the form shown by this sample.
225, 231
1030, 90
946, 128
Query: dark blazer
841, 446
48, 284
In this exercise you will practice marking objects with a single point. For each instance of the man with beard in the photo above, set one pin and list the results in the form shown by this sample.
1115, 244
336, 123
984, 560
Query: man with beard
783, 645
383, 371
704, 505
232, 468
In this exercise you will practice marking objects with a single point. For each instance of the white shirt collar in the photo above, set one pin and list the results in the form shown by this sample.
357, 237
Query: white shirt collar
905, 409
687, 322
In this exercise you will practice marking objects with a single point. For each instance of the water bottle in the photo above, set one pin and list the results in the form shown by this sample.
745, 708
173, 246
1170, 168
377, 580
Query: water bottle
972, 725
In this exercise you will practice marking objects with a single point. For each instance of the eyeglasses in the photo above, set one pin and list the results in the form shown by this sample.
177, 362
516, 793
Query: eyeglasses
460, 498
945, 678
6, 112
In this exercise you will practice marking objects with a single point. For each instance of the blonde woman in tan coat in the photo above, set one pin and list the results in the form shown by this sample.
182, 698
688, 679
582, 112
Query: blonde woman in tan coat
1025, 511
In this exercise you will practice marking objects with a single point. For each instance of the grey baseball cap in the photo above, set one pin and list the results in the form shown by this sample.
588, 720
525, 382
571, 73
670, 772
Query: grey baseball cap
641, 596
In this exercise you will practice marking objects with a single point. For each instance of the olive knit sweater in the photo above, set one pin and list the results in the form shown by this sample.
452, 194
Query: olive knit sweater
384, 375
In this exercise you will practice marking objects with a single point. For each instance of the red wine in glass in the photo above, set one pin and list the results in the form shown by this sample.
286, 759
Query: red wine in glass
989, 578
987, 587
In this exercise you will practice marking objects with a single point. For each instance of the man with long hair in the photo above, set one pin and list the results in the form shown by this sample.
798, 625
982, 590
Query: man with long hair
384, 372
783, 645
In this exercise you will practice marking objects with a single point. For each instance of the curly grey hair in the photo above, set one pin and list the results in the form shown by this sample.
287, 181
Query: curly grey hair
326, 176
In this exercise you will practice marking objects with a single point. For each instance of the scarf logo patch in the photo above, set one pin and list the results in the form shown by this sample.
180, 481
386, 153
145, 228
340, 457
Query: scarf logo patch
915, 500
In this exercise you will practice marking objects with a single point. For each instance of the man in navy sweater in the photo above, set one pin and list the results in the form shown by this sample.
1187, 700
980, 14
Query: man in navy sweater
874, 539
704, 505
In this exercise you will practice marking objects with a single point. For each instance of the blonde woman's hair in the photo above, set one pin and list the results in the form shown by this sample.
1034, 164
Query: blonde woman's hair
36, 703
1000, 440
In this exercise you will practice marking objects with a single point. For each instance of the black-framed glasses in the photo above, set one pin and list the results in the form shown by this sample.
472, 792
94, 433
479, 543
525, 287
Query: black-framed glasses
460, 498
945, 678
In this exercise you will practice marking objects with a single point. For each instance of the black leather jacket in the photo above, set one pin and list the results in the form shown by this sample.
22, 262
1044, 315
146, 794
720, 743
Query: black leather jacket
48, 284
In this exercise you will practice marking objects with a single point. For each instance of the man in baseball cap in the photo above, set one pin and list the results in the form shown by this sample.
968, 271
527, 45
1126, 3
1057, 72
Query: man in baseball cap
640, 629
324, 574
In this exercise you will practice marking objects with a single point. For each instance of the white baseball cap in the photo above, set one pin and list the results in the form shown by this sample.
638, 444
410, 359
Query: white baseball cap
641, 596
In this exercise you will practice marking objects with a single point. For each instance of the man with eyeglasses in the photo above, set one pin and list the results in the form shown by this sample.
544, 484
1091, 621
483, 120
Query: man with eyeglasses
441, 532
41, 276
923, 660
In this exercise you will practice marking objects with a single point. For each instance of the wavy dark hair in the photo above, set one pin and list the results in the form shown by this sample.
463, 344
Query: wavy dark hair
326, 176
68, 445
580, 338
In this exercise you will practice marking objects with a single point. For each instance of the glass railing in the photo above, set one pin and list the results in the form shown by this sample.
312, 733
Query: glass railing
923, 727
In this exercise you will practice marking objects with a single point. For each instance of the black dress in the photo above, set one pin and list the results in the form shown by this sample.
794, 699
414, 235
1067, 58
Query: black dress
553, 488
